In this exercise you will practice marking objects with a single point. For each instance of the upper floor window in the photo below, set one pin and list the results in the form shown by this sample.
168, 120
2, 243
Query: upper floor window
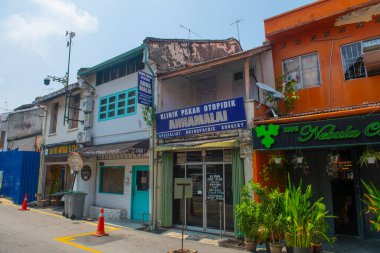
54, 118
118, 105
74, 111
353, 64
304, 70
119, 70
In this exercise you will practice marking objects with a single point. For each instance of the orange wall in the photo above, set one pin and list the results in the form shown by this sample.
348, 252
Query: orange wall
317, 10
342, 93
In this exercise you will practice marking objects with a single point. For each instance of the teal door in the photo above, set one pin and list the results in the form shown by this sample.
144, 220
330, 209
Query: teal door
140, 193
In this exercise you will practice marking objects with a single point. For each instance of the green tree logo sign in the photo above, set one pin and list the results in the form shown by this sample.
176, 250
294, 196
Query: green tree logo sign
262, 131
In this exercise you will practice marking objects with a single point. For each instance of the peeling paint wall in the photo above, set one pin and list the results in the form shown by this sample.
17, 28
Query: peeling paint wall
25, 123
170, 54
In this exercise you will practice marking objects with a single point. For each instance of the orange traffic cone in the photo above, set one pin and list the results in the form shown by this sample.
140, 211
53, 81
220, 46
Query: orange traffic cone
24, 206
100, 230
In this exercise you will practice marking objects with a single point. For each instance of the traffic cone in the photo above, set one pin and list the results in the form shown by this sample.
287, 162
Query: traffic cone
100, 230
24, 206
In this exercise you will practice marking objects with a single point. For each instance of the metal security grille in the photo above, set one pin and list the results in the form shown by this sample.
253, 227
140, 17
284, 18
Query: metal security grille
353, 64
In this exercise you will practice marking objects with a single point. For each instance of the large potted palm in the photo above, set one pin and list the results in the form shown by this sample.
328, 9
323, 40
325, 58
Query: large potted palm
304, 219
320, 228
250, 217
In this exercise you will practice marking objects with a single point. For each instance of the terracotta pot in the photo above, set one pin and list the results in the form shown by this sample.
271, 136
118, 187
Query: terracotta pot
274, 248
250, 246
301, 250
317, 248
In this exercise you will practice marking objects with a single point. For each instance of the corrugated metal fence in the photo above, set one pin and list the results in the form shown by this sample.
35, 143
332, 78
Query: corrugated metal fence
21, 169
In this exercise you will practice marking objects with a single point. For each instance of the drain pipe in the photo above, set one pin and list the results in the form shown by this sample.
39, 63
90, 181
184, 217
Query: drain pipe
152, 140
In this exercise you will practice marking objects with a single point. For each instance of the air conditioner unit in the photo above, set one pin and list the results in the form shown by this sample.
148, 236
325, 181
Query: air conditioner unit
87, 104
88, 120
371, 56
84, 137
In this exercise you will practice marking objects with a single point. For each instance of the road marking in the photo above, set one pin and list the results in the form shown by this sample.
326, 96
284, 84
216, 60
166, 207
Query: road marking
68, 240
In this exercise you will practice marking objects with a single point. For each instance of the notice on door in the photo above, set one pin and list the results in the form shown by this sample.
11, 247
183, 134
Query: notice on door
215, 186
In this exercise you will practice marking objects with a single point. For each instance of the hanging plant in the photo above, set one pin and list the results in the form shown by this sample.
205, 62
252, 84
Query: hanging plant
276, 161
369, 157
332, 164
299, 161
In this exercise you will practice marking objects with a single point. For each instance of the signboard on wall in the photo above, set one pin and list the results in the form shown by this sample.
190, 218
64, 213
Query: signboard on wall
359, 130
59, 150
215, 186
212, 117
145, 88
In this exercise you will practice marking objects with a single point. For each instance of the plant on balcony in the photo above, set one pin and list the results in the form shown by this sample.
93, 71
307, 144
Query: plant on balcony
149, 116
372, 201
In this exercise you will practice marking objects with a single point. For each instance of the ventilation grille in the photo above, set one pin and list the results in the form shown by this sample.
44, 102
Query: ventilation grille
239, 75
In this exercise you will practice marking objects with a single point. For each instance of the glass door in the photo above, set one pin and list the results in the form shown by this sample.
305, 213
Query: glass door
214, 196
195, 205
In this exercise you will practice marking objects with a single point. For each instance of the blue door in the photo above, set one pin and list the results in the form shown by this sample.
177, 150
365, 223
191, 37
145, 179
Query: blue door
140, 193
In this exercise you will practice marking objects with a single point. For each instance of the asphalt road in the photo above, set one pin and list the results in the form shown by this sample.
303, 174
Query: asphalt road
37, 231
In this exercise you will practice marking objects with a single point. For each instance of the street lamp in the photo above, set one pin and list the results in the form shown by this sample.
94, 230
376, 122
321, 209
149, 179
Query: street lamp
64, 80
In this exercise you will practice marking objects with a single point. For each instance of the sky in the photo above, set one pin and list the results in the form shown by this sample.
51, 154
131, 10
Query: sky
33, 41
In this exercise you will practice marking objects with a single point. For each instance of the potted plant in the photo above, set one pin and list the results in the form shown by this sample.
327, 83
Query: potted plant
369, 157
273, 221
372, 201
304, 218
250, 217
320, 228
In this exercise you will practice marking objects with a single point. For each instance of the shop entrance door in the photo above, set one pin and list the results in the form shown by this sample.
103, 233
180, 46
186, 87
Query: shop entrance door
140, 193
211, 204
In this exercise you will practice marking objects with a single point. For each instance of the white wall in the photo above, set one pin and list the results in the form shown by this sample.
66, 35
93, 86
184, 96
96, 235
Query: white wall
63, 133
121, 129
112, 200
88, 186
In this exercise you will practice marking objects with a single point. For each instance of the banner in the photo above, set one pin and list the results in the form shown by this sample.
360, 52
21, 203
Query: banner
216, 116
145, 88
359, 130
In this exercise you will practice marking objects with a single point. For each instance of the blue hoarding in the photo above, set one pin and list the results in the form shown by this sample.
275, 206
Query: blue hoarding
145, 88
216, 116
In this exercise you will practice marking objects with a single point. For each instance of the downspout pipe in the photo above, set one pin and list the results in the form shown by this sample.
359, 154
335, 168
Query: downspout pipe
152, 141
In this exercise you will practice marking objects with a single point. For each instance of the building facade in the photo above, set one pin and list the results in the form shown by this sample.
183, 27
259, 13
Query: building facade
203, 119
329, 52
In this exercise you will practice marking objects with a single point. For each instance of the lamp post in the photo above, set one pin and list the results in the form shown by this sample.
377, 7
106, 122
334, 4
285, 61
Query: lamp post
64, 80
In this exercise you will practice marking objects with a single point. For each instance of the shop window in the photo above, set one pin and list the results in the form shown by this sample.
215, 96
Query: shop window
118, 105
214, 156
111, 179
304, 70
352, 59
74, 111
194, 156
54, 118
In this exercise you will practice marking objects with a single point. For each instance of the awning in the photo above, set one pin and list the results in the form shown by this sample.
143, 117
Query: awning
137, 147
198, 145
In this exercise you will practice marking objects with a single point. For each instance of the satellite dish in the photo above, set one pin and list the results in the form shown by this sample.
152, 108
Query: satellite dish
276, 96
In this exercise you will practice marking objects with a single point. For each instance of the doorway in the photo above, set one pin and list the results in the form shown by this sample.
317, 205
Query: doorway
140, 193
344, 197
211, 206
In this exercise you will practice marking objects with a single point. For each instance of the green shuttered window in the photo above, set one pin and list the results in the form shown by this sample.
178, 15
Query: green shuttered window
118, 105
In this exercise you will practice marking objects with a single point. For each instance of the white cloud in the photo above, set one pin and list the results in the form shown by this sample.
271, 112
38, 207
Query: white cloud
52, 19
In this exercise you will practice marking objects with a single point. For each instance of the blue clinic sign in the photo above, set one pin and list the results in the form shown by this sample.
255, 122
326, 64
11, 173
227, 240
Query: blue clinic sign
145, 86
217, 116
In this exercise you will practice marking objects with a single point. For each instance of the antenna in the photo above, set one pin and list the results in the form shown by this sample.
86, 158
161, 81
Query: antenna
236, 22
190, 31
6, 104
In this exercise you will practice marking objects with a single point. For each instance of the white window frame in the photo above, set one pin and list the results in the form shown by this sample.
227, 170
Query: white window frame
300, 84
343, 63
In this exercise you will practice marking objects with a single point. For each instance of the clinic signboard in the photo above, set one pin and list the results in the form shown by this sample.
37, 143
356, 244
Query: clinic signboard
211, 117
145, 88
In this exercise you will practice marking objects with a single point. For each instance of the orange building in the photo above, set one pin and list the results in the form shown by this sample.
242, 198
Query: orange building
328, 52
